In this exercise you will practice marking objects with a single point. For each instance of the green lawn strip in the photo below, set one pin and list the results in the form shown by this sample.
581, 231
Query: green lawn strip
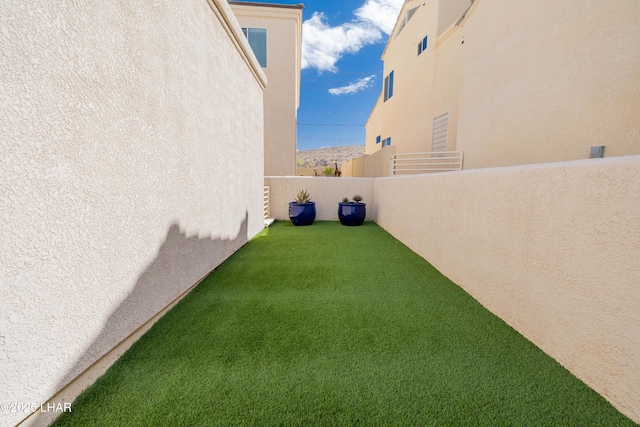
331, 325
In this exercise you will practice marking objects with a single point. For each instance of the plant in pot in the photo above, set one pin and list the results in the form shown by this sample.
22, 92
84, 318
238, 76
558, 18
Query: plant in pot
352, 213
302, 211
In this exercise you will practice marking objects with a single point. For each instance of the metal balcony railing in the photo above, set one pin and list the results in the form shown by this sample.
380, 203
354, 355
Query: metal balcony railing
427, 162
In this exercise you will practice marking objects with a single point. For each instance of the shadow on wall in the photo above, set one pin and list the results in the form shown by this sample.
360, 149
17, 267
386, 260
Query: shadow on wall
181, 262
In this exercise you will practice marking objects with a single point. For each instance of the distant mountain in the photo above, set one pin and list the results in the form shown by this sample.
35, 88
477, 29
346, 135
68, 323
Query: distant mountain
328, 156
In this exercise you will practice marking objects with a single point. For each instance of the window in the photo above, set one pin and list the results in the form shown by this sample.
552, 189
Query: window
378, 139
388, 141
257, 38
388, 86
422, 46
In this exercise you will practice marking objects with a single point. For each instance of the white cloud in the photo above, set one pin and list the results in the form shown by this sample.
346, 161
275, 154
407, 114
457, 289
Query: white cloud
353, 87
323, 45
382, 14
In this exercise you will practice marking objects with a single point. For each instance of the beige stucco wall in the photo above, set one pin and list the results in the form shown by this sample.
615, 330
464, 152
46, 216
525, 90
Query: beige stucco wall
379, 163
549, 81
347, 167
120, 145
370, 165
327, 192
282, 95
426, 86
551, 249
405, 116
357, 166
308, 171
521, 84
449, 11
373, 127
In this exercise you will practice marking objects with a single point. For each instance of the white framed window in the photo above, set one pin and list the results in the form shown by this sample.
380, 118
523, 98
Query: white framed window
378, 139
388, 86
257, 38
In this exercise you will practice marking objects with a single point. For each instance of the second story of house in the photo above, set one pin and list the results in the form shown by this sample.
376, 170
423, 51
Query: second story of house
410, 101
274, 32
510, 83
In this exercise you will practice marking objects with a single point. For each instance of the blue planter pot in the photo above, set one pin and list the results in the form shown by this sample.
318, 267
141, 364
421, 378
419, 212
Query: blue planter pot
302, 213
352, 213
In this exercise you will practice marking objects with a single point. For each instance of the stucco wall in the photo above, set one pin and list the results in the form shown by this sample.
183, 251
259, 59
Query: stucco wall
282, 95
327, 192
120, 145
449, 11
522, 83
405, 117
552, 249
374, 165
379, 163
426, 86
544, 81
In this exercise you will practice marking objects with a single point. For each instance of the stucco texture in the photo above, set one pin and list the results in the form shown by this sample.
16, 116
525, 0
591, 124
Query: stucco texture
551, 249
282, 94
521, 82
120, 145
544, 81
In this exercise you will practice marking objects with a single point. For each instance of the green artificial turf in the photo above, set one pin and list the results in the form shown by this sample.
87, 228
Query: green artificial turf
334, 326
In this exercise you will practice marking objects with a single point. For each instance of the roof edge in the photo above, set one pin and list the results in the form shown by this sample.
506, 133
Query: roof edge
261, 4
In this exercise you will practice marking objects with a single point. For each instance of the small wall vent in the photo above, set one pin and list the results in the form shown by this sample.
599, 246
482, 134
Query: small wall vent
597, 152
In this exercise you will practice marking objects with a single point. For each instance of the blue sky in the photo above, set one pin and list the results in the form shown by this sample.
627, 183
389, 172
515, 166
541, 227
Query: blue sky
342, 42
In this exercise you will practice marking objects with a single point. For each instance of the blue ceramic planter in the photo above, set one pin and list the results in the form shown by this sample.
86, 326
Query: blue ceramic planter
302, 213
352, 213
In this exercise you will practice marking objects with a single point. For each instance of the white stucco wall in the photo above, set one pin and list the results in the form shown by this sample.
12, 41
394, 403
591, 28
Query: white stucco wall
552, 249
119, 149
327, 192
282, 95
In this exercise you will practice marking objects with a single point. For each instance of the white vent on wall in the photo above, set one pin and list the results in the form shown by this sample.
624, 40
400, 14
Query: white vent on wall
439, 133
406, 18
411, 12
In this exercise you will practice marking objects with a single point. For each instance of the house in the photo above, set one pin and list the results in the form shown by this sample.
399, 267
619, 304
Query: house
509, 83
274, 32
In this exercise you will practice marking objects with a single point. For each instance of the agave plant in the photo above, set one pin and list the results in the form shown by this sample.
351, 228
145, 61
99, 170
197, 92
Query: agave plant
303, 197
352, 212
302, 211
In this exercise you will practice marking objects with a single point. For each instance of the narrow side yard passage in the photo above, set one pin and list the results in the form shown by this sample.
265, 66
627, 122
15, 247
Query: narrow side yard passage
334, 326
